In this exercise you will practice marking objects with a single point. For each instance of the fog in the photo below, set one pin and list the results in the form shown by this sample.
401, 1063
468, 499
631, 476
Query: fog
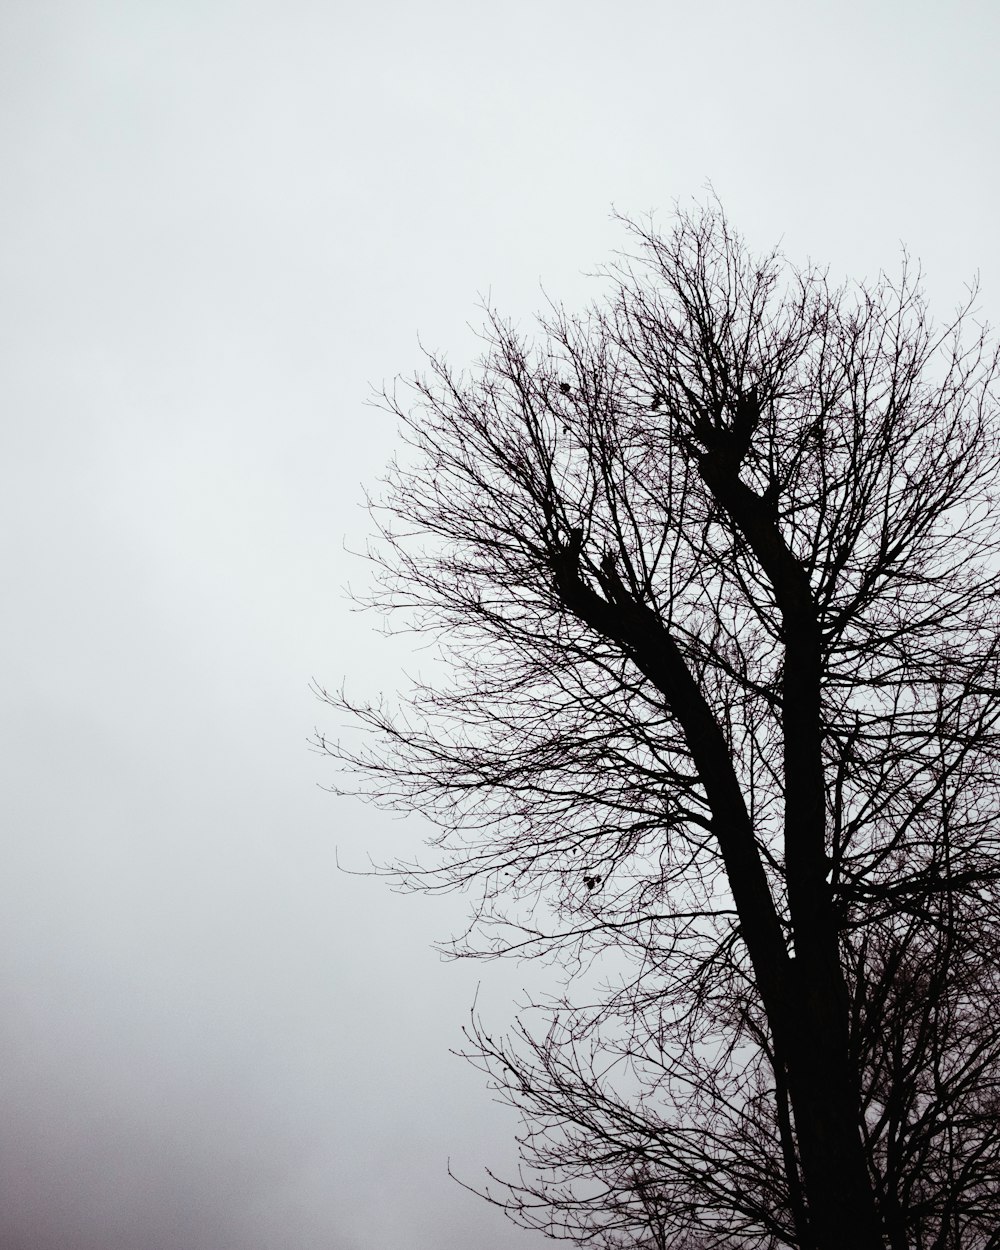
222, 223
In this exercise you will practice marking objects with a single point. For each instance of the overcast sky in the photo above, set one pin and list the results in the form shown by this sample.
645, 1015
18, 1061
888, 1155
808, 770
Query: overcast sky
220, 224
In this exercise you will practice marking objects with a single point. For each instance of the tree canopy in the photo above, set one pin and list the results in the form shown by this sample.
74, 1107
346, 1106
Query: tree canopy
712, 570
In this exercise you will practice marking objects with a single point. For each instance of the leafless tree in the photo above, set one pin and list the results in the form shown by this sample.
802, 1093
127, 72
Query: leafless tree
713, 573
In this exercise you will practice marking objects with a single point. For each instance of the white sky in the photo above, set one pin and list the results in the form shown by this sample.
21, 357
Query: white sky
221, 222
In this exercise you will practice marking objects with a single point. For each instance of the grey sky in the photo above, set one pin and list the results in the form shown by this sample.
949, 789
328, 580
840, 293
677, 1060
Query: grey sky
221, 222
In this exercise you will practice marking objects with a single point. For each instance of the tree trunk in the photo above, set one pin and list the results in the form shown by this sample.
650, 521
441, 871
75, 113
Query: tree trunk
824, 1096
813, 1016
804, 998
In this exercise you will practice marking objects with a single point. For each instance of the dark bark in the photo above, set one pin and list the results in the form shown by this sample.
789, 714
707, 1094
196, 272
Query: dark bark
805, 997
810, 1019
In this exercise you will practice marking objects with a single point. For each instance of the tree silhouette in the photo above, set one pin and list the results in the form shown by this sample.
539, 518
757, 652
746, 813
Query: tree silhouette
713, 572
